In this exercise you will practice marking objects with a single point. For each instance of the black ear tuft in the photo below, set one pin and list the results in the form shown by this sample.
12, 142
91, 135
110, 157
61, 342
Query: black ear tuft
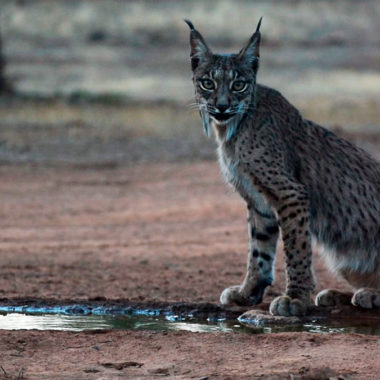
188, 22
258, 25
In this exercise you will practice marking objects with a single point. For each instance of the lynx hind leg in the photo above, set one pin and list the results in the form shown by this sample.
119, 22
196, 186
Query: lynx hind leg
263, 234
332, 297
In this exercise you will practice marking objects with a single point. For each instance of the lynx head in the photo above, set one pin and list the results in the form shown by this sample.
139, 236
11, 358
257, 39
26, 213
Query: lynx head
224, 83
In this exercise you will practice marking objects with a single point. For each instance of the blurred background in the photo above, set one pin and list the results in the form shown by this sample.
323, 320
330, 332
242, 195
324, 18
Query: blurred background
108, 82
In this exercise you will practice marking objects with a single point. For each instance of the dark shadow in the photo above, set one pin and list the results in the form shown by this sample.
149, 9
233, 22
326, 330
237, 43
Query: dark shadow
5, 84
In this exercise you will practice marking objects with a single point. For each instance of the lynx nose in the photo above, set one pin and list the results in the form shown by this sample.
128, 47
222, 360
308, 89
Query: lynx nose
222, 107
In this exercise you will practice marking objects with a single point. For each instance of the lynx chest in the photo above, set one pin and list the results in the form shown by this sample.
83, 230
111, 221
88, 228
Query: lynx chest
237, 178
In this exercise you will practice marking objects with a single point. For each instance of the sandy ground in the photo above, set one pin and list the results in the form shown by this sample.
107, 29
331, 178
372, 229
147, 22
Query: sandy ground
163, 232
183, 355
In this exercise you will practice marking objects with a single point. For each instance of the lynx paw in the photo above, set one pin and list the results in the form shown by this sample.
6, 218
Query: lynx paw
237, 295
332, 297
366, 298
285, 306
231, 296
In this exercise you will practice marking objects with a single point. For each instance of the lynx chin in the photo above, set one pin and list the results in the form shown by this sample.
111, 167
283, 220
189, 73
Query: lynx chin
296, 177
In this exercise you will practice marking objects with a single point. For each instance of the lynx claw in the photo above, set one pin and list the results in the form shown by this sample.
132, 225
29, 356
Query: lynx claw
366, 298
285, 306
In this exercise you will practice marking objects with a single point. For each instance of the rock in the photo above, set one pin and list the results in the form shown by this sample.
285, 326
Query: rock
260, 318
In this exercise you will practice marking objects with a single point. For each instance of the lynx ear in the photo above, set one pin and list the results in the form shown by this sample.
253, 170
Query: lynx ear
199, 50
251, 53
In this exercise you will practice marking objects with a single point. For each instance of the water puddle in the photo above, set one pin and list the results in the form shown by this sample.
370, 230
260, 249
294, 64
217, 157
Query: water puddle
15, 321
19, 321
178, 317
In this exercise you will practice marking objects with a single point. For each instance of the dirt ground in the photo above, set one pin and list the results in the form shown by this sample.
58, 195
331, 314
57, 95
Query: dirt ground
152, 232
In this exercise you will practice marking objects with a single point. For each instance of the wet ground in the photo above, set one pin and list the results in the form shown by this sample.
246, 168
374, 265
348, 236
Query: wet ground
153, 235
29, 314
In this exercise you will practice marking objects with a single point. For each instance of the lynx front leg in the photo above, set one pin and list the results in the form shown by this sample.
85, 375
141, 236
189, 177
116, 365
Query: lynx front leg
263, 235
293, 214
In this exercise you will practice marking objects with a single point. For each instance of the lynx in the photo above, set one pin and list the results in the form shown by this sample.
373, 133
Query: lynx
296, 178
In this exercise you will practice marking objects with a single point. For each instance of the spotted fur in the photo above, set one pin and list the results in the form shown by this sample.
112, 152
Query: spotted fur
296, 177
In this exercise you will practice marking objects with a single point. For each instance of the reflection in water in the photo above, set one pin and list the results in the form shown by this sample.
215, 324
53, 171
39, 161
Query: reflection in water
52, 322
18, 321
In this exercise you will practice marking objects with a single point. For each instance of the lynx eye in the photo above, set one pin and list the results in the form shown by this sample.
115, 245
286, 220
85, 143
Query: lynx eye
207, 84
239, 86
